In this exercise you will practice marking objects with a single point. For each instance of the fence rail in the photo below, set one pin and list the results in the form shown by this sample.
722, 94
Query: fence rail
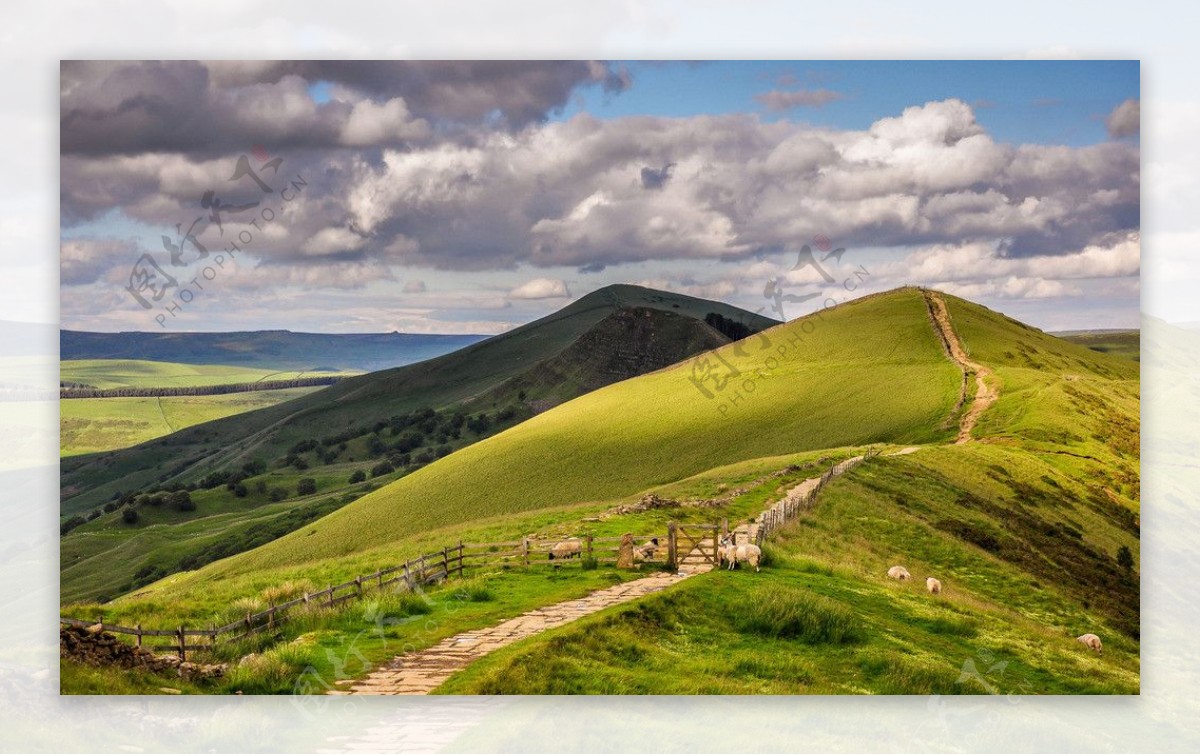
423, 570
788, 507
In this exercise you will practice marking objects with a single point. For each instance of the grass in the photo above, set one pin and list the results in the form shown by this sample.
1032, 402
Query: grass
471, 374
140, 373
1122, 343
95, 425
1022, 527
828, 388
823, 618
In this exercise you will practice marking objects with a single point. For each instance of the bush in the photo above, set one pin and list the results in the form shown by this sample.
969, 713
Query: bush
240, 490
358, 476
791, 613
381, 469
182, 500
277, 494
1125, 558
129, 515
306, 486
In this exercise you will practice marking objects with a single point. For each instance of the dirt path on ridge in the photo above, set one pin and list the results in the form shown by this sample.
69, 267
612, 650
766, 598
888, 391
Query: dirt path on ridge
985, 393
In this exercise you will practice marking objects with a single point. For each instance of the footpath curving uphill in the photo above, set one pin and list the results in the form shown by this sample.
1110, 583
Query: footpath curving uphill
985, 394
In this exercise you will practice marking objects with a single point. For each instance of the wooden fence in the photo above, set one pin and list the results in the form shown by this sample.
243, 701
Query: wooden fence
423, 570
430, 568
788, 507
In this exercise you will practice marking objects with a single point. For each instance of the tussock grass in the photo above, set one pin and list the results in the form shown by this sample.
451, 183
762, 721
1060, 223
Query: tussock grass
793, 614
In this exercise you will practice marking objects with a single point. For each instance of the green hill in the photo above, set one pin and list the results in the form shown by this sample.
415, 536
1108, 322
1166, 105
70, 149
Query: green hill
459, 380
240, 506
1032, 524
835, 380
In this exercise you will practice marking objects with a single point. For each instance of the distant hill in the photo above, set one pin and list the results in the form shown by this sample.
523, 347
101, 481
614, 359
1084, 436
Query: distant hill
1121, 343
272, 349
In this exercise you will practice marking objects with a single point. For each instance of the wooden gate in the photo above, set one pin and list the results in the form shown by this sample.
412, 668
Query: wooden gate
694, 544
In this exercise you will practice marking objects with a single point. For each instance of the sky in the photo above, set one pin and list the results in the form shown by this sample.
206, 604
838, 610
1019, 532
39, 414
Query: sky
471, 197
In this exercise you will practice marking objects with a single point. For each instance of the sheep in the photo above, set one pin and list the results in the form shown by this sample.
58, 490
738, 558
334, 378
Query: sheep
569, 548
934, 586
647, 550
733, 554
899, 573
1091, 642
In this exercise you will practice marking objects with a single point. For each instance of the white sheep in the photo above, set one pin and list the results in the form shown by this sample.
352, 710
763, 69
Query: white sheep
646, 550
899, 573
569, 548
733, 554
1091, 642
933, 585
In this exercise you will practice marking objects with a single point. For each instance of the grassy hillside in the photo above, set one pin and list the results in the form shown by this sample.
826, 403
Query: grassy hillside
461, 380
828, 381
246, 506
822, 618
94, 425
137, 373
1121, 343
1032, 527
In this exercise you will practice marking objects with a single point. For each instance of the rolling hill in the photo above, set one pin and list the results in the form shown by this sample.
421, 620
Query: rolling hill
1031, 522
239, 507
470, 379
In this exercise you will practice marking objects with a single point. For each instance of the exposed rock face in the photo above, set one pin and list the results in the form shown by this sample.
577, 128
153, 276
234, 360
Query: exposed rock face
98, 648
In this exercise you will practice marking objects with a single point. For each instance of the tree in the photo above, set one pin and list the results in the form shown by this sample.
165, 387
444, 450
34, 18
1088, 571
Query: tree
240, 490
182, 500
1125, 558
306, 486
277, 494
358, 476
129, 515
381, 469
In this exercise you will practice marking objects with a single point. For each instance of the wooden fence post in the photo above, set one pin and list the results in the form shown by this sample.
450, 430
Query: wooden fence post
330, 589
138, 627
306, 599
358, 585
672, 561
445, 564
407, 577
182, 645
525, 550
717, 529
460, 558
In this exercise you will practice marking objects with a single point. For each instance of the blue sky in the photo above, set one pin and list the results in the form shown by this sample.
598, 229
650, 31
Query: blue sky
1049, 102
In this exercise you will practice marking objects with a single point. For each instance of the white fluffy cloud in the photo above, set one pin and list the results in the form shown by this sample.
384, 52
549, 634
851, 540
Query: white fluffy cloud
541, 288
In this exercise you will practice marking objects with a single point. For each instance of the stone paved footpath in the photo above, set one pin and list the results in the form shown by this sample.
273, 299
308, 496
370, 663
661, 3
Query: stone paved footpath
419, 673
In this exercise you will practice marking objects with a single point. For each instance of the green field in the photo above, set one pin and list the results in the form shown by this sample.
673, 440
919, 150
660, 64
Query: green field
93, 425
1120, 343
1033, 527
534, 361
136, 373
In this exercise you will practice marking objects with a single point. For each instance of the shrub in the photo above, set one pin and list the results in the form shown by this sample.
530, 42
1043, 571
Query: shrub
381, 469
240, 490
358, 476
792, 613
1125, 558
277, 494
129, 515
306, 486
182, 500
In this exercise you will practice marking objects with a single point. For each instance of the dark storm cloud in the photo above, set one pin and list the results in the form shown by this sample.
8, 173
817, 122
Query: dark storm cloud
195, 107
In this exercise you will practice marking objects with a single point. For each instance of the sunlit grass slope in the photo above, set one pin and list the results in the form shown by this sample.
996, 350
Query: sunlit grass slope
867, 371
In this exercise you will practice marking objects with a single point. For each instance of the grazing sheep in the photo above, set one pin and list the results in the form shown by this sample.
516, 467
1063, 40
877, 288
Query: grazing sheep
1091, 642
899, 573
933, 585
646, 550
570, 548
734, 554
